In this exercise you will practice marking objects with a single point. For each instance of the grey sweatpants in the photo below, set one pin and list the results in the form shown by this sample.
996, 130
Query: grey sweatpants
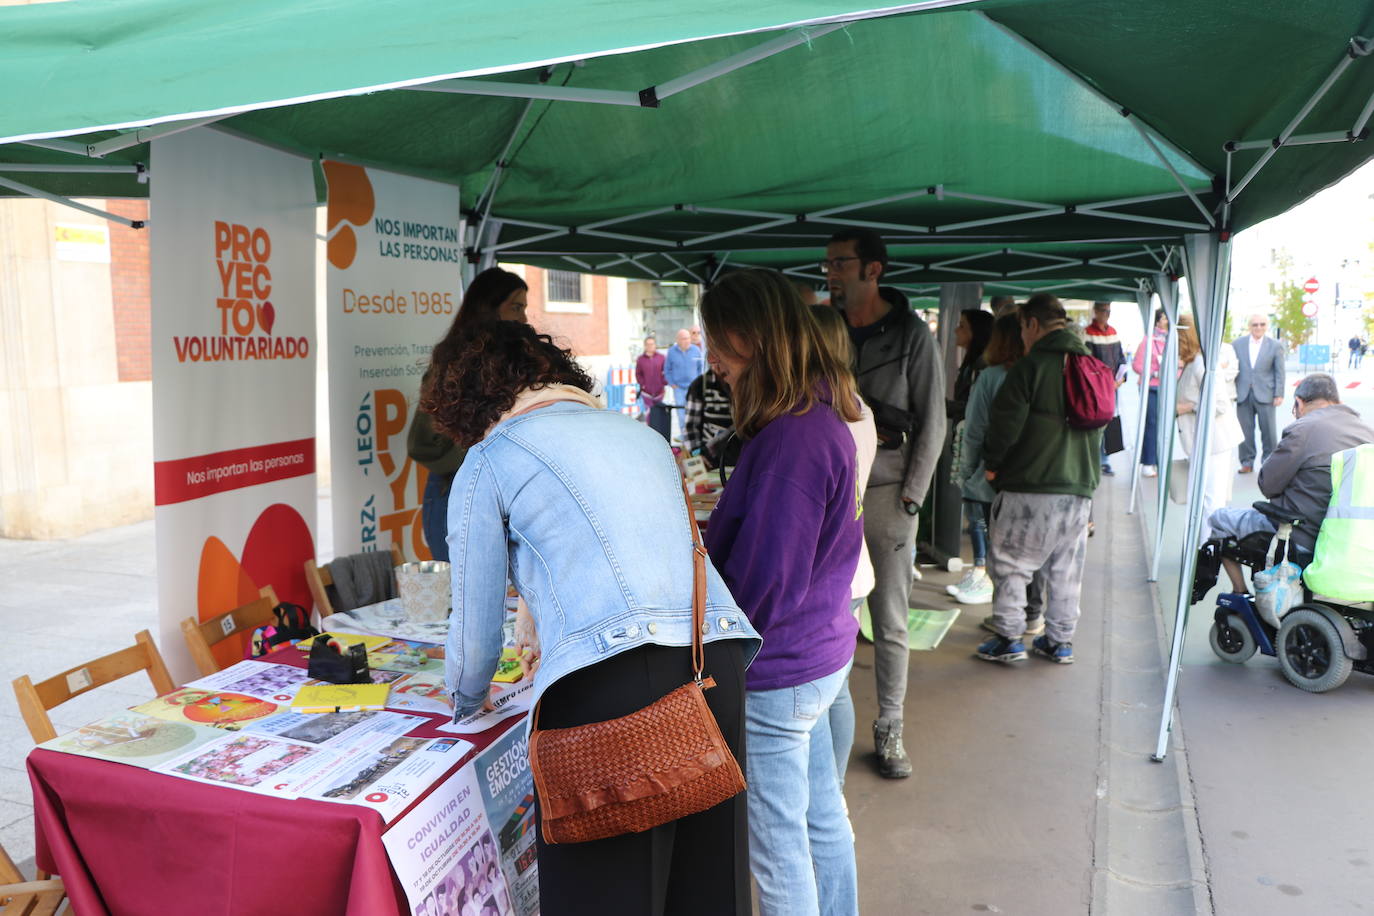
890, 534
1038, 531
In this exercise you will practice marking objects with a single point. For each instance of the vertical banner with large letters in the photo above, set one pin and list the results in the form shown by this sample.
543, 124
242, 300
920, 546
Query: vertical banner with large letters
395, 282
233, 282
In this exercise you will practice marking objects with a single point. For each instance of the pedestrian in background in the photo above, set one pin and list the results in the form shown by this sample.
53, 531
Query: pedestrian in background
493, 295
1149, 458
1105, 344
785, 536
685, 362
708, 424
1216, 491
1003, 350
649, 377
1044, 472
1259, 389
901, 377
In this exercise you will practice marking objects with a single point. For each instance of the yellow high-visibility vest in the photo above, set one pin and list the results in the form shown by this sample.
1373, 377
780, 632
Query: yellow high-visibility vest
1342, 567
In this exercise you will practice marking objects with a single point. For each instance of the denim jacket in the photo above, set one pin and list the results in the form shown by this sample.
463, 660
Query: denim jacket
583, 509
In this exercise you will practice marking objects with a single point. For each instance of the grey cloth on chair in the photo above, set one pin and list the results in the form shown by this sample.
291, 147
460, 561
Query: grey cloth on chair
362, 578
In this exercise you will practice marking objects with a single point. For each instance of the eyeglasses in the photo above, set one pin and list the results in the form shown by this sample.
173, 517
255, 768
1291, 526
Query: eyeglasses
1259, 324
830, 264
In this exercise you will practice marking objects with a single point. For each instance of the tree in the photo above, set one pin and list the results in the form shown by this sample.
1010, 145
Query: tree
1286, 303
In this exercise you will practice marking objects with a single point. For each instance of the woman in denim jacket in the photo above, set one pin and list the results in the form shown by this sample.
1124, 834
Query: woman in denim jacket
583, 509
786, 536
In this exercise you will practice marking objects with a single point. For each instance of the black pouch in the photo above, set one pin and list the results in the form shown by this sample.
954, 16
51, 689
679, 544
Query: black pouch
327, 663
293, 624
893, 423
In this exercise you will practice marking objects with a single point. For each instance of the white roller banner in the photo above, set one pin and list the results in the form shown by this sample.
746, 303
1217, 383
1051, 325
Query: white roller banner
395, 283
233, 283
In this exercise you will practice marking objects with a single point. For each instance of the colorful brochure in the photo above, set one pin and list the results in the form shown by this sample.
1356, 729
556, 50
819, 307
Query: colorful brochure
133, 738
340, 697
198, 706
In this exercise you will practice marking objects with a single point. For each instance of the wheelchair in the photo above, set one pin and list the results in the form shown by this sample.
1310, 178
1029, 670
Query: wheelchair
1318, 642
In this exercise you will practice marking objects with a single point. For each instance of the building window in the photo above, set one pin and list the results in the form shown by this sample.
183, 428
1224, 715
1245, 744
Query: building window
564, 286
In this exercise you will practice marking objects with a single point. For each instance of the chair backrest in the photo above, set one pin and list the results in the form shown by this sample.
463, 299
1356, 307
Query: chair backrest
36, 699
202, 635
318, 577
27, 898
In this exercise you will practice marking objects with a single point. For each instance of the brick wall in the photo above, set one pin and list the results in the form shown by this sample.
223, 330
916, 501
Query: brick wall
131, 288
587, 333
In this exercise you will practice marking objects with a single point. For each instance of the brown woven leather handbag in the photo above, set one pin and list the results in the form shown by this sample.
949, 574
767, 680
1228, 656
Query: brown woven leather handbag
658, 764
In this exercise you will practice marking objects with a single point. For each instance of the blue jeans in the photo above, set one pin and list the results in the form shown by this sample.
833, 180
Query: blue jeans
1149, 452
434, 514
977, 514
800, 848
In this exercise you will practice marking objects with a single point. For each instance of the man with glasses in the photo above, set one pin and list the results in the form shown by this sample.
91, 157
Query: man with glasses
1259, 388
898, 369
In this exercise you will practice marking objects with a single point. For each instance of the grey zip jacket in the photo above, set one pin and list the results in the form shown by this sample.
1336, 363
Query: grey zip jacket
900, 367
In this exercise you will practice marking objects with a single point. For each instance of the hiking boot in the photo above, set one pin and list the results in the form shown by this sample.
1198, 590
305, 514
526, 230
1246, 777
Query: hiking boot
963, 583
1061, 653
1002, 649
893, 763
979, 589
1034, 626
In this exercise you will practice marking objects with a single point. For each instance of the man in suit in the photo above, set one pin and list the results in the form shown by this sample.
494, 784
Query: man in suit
1259, 388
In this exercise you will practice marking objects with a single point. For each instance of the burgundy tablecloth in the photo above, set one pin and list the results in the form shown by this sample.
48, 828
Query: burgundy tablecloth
128, 841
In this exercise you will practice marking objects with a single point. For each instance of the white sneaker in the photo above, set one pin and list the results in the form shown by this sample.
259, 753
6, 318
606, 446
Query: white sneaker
1149, 471
979, 591
965, 582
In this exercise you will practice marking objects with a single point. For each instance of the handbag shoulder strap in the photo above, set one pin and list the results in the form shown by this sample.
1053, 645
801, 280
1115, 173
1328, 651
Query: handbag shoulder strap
698, 588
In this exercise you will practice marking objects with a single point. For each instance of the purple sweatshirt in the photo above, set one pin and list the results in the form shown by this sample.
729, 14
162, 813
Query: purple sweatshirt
785, 536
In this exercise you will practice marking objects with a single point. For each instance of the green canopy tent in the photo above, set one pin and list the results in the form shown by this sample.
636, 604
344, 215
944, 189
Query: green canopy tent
1095, 148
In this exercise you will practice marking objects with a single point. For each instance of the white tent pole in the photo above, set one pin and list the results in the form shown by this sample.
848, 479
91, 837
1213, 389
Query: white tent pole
145, 134
1347, 59
1328, 136
1165, 414
1209, 275
1142, 298
1149, 141
66, 202
72, 169
736, 61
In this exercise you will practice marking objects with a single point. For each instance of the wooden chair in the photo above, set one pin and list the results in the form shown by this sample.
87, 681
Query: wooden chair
36, 699
200, 637
27, 898
317, 577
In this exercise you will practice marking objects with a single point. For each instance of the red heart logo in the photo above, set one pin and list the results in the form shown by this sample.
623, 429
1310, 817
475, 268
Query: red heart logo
267, 316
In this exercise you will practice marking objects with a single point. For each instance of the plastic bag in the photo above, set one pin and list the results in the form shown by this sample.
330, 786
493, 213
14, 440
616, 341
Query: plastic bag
1277, 590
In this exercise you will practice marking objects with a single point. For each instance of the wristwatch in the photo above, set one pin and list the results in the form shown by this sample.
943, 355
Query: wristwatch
910, 507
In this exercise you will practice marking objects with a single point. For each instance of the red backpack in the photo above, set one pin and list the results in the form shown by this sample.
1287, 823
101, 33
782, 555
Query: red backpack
1089, 392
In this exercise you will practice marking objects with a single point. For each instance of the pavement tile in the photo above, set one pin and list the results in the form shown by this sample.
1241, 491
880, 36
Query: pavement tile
17, 838
15, 787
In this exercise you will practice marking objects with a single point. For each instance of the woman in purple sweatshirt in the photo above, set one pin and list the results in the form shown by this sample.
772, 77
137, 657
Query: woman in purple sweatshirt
785, 536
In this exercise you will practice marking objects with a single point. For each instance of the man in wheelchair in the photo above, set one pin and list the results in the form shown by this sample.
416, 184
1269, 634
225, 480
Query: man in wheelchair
1296, 480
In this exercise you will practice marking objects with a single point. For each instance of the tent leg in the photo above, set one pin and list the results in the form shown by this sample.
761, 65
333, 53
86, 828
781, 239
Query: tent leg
1142, 298
1209, 275
1168, 386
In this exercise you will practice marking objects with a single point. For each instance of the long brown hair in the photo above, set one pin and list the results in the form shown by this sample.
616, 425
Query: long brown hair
1188, 346
1005, 346
758, 316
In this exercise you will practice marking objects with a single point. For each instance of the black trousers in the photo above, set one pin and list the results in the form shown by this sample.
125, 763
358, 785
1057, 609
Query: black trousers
698, 865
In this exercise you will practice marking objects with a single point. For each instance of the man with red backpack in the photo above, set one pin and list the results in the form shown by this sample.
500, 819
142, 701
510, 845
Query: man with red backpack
1043, 455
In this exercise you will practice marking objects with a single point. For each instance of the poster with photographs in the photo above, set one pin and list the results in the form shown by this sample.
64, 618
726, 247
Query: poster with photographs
390, 774
445, 856
257, 763
264, 680
507, 787
334, 729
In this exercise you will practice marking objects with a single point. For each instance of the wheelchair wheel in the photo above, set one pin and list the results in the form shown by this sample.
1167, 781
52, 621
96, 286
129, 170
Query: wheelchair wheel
1311, 652
1232, 641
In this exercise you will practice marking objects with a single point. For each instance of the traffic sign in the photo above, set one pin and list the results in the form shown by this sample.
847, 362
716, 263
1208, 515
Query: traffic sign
1311, 286
1309, 308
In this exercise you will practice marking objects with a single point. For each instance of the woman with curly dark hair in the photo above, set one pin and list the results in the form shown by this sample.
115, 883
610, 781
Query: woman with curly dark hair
583, 509
493, 295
